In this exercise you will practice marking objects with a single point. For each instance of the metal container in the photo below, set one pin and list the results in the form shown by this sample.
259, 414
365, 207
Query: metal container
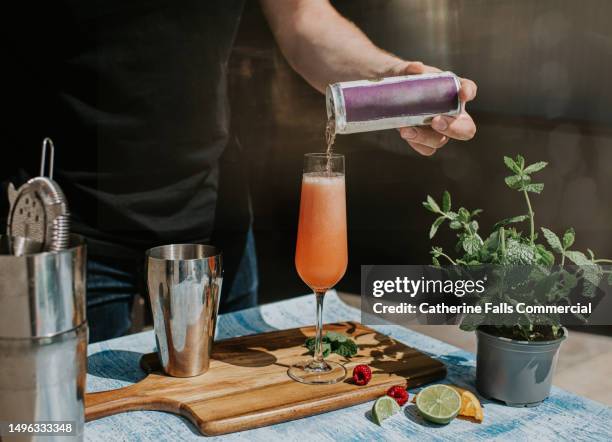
43, 338
518, 373
412, 100
184, 283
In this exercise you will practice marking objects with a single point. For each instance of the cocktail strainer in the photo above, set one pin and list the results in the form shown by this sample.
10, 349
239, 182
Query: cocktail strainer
38, 218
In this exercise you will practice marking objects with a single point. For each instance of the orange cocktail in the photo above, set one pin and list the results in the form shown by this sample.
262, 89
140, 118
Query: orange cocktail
321, 253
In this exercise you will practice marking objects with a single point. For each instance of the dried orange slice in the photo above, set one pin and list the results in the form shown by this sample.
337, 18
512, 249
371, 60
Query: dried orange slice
470, 405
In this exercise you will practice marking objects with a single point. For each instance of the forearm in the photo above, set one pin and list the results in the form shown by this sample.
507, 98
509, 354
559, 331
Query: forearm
323, 46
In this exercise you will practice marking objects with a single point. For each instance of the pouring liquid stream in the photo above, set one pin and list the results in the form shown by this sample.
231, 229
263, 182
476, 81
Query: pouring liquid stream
330, 137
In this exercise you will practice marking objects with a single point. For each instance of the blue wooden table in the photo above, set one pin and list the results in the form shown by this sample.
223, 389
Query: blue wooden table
564, 416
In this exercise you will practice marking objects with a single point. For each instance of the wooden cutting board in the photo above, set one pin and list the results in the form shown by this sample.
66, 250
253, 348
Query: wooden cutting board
247, 384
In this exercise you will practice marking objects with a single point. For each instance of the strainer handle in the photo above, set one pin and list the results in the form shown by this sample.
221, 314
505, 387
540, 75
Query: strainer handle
47, 142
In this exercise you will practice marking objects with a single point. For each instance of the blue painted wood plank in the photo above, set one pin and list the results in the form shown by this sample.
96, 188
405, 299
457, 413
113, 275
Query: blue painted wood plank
564, 416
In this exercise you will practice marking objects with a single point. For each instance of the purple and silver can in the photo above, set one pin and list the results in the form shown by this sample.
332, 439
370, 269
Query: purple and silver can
412, 100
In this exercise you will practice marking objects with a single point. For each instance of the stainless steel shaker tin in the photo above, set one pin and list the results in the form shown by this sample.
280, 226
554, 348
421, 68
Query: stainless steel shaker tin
43, 338
184, 283
43, 294
411, 100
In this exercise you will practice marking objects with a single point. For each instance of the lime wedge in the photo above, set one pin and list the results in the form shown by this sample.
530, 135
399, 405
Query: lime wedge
439, 403
383, 408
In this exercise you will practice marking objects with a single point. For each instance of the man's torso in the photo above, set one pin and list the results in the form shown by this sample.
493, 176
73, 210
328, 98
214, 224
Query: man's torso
134, 96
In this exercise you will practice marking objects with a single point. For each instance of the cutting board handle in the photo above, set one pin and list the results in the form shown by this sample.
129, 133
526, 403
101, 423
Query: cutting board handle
131, 398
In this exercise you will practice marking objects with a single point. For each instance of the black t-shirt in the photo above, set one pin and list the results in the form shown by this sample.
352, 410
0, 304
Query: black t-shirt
133, 93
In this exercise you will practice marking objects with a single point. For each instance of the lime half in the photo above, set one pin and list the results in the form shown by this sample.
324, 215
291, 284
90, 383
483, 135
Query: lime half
383, 408
439, 403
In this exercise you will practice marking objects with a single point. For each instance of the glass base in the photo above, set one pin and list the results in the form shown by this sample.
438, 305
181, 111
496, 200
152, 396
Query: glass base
311, 372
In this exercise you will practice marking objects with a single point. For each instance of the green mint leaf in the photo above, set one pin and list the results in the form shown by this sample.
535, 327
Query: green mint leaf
593, 275
455, 225
471, 244
524, 322
334, 342
553, 240
492, 241
434, 227
446, 201
535, 167
578, 258
436, 262
432, 203
534, 188
437, 251
520, 161
428, 207
326, 349
513, 181
474, 226
519, 253
546, 258
346, 349
333, 336
568, 239
310, 344
464, 215
516, 182
589, 289
510, 164
476, 212
513, 220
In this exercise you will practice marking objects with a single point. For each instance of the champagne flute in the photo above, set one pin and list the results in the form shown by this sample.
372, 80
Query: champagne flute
321, 254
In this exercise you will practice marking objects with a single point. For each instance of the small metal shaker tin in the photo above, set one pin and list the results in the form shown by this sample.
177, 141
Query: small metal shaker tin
411, 100
184, 283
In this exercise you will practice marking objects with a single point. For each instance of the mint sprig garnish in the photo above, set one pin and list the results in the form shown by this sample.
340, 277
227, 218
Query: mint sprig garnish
334, 342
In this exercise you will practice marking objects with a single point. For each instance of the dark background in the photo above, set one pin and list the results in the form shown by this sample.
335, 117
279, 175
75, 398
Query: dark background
545, 91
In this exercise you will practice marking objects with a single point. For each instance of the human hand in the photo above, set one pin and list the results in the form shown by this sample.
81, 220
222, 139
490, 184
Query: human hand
426, 140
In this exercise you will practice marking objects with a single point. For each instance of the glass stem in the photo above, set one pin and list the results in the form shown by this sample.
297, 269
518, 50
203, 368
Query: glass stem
318, 350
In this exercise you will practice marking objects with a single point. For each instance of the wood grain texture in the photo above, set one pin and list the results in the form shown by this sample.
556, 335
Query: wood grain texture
247, 385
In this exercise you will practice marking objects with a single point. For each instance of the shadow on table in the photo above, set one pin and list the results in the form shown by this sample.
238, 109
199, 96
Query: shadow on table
192, 427
121, 365
257, 350
368, 416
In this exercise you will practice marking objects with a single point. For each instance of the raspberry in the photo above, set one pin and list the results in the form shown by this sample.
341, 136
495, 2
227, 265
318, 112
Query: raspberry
362, 374
398, 393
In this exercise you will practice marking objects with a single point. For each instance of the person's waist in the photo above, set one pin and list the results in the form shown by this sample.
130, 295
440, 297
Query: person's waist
98, 248
127, 248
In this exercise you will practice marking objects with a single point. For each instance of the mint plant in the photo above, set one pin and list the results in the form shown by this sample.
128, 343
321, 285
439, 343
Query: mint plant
529, 270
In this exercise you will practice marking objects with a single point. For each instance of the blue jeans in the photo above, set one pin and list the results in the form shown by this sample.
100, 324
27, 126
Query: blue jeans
111, 288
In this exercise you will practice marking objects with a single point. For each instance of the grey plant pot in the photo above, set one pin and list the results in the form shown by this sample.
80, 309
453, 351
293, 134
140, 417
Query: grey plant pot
518, 373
